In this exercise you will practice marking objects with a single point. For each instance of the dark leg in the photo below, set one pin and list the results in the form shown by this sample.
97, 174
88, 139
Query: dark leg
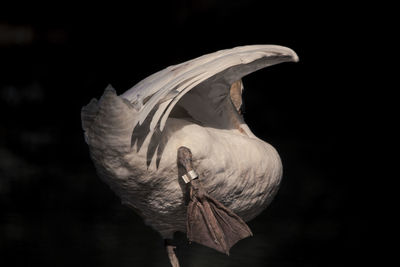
208, 221
171, 252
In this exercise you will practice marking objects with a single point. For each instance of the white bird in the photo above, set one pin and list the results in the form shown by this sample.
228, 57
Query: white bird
176, 149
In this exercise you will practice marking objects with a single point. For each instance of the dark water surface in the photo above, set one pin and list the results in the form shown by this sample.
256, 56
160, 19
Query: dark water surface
55, 211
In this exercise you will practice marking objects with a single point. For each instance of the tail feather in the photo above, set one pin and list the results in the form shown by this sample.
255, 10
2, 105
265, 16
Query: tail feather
88, 114
108, 123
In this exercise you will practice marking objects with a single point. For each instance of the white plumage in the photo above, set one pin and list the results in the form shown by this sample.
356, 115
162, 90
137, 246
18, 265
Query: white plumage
134, 138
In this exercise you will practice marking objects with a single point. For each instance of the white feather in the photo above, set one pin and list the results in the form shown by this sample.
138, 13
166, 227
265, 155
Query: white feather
185, 76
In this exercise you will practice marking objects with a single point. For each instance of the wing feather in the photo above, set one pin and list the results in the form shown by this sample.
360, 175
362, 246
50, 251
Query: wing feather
175, 81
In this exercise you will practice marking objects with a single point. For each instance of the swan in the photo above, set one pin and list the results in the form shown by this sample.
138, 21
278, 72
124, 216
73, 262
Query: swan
175, 148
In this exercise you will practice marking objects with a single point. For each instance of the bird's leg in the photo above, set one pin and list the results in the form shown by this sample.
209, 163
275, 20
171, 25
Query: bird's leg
208, 221
171, 252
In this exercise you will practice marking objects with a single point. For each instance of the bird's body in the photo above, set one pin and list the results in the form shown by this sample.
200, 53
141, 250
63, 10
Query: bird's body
219, 156
187, 117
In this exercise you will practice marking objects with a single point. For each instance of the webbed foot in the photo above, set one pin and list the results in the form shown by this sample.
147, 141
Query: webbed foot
208, 221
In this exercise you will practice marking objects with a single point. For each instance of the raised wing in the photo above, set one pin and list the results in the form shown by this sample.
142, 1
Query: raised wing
197, 90
161, 91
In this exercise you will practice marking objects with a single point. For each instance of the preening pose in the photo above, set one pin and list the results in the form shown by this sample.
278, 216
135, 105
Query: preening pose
176, 150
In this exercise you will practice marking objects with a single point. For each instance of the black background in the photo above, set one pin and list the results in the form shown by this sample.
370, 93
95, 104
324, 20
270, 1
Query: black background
55, 211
